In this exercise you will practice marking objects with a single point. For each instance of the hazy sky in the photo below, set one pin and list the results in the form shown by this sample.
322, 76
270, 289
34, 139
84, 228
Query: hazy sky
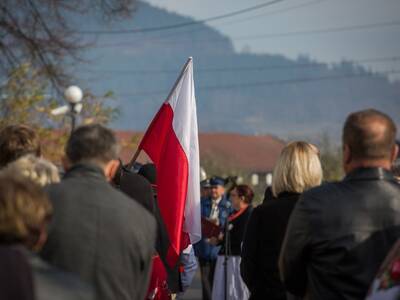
305, 15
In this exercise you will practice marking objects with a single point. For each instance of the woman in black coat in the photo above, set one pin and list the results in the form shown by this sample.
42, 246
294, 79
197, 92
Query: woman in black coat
298, 168
241, 197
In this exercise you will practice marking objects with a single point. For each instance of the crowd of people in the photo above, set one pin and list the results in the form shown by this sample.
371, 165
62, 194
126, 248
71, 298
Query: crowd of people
96, 232
310, 239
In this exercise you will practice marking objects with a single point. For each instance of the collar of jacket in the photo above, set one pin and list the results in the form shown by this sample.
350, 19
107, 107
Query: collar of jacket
85, 170
370, 174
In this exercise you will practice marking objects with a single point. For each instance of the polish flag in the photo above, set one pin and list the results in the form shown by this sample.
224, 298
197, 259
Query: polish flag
171, 142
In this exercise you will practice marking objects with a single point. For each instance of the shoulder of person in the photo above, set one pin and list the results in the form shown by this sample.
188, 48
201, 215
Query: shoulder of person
323, 191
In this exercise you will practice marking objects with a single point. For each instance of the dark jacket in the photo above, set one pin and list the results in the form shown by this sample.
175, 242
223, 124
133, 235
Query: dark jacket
139, 188
29, 277
100, 234
339, 234
51, 283
203, 249
16, 279
237, 227
262, 244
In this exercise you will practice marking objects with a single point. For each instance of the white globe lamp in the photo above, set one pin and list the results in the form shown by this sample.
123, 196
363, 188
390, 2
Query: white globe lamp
73, 94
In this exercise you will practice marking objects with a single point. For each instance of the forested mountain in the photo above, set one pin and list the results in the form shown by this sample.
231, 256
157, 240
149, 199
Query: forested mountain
236, 92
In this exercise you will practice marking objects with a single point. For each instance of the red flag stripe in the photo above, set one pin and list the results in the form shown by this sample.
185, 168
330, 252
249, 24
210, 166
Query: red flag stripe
172, 175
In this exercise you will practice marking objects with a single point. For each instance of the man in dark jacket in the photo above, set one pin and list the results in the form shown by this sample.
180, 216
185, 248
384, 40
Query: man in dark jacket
97, 231
339, 233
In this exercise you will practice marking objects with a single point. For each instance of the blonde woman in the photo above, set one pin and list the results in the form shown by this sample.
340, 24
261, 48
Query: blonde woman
37, 169
298, 169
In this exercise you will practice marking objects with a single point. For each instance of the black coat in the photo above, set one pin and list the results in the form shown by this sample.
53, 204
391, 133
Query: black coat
101, 234
261, 247
139, 188
16, 278
237, 229
52, 283
25, 276
339, 234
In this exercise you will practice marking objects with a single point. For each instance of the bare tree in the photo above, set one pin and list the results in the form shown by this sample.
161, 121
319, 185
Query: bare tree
38, 32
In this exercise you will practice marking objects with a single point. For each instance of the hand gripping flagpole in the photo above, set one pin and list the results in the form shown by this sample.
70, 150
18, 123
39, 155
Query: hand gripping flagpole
135, 156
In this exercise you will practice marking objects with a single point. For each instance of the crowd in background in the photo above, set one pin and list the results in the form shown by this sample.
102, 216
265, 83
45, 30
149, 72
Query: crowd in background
97, 232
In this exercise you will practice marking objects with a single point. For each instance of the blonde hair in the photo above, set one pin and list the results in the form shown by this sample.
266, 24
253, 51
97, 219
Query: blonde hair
37, 169
24, 208
298, 168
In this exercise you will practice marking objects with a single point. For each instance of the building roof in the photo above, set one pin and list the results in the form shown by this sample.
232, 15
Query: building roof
253, 153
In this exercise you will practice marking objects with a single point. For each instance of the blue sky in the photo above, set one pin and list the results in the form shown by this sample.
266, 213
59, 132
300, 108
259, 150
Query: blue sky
305, 15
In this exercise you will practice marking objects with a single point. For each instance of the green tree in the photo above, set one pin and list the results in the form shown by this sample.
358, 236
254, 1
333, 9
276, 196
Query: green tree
331, 159
25, 100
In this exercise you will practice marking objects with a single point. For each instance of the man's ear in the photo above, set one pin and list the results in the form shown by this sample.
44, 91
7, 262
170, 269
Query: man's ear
65, 163
346, 155
395, 152
41, 239
111, 169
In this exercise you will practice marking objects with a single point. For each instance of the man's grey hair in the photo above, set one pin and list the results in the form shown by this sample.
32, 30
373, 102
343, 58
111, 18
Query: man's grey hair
92, 143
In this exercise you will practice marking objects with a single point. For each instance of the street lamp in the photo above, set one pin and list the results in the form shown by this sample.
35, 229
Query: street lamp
73, 95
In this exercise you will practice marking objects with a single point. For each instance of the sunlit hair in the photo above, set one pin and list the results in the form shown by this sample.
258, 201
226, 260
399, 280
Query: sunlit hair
37, 169
298, 168
24, 208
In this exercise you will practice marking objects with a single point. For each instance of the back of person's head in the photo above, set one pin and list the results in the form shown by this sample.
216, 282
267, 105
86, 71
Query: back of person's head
35, 168
297, 169
245, 191
369, 135
24, 211
17, 141
92, 143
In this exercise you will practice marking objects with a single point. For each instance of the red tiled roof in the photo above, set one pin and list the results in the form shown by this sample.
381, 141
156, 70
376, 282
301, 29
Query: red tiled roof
245, 152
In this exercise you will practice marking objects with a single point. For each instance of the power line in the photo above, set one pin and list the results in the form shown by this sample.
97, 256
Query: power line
272, 82
279, 11
263, 36
244, 68
184, 24
325, 30
251, 18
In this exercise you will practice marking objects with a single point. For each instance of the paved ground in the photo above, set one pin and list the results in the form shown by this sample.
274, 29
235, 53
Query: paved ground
194, 292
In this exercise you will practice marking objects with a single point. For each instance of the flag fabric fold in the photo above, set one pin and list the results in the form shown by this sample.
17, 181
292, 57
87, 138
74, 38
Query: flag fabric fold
171, 142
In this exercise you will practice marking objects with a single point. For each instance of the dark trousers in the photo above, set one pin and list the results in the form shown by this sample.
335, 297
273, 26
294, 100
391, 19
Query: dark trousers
207, 269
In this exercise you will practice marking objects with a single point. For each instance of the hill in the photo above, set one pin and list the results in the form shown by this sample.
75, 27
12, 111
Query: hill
236, 92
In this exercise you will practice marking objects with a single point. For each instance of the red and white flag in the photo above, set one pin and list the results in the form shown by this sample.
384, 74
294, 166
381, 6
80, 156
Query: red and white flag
171, 141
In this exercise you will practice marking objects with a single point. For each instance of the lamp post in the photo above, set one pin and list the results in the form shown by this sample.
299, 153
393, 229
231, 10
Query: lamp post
73, 95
